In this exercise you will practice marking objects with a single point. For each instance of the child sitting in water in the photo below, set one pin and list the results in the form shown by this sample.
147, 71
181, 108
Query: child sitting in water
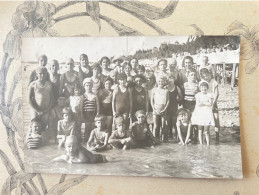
184, 126
65, 126
98, 140
141, 133
78, 154
120, 138
34, 137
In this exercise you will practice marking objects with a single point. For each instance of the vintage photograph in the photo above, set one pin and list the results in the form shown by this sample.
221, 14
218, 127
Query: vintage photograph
159, 106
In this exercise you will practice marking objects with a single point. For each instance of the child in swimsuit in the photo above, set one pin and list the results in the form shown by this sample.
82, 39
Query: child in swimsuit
89, 107
98, 140
122, 100
65, 126
121, 137
127, 70
96, 78
159, 103
141, 134
184, 126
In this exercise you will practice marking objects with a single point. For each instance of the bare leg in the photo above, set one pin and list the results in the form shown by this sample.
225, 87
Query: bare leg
157, 125
164, 128
207, 134
201, 134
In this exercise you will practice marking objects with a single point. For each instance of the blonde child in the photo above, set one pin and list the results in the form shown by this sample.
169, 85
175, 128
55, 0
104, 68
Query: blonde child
121, 137
159, 103
202, 115
98, 140
65, 126
184, 126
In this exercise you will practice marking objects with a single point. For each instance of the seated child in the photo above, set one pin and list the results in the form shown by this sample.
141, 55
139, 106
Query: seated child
183, 126
34, 137
65, 126
120, 138
141, 133
98, 139
78, 154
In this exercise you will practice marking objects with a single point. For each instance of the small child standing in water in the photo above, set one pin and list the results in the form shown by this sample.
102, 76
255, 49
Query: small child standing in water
203, 115
120, 138
184, 126
78, 154
159, 103
65, 126
98, 140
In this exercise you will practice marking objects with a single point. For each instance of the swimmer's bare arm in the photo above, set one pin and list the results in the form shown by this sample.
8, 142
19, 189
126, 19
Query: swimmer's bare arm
152, 99
179, 132
216, 96
90, 141
113, 101
32, 101
180, 94
61, 85
60, 158
51, 100
97, 104
188, 133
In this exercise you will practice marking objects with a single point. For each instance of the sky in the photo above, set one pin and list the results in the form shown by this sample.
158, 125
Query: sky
61, 48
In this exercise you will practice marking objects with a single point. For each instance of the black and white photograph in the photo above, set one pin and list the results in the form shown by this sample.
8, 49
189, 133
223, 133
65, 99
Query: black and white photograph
156, 106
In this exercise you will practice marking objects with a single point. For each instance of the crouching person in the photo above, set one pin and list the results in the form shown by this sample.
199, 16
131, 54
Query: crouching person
141, 133
120, 138
76, 153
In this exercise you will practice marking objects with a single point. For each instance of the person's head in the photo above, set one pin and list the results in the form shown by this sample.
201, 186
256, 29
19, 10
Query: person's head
150, 79
122, 78
77, 90
67, 114
88, 84
161, 81
105, 62
43, 60
187, 62
205, 60
62, 100
204, 86
70, 64
139, 80
84, 60
112, 75
126, 67
162, 65
173, 65
141, 70
118, 61
120, 124
205, 74
42, 72
96, 69
71, 145
99, 121
134, 63
35, 125
108, 82
141, 117
191, 76
183, 115
53, 66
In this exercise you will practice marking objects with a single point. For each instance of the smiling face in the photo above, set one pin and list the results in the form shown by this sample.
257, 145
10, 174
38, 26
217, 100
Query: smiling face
161, 82
183, 117
206, 76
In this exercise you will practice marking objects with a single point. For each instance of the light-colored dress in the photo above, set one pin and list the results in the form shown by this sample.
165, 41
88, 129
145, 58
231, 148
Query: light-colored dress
202, 114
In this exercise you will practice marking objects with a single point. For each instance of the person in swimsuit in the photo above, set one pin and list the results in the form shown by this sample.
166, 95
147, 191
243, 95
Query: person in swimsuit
105, 64
54, 78
85, 70
184, 126
159, 103
122, 100
69, 79
127, 70
65, 126
135, 66
105, 102
89, 107
98, 140
96, 80
139, 96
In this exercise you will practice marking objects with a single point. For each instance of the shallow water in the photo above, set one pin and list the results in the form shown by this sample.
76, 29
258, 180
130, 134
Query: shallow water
166, 160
